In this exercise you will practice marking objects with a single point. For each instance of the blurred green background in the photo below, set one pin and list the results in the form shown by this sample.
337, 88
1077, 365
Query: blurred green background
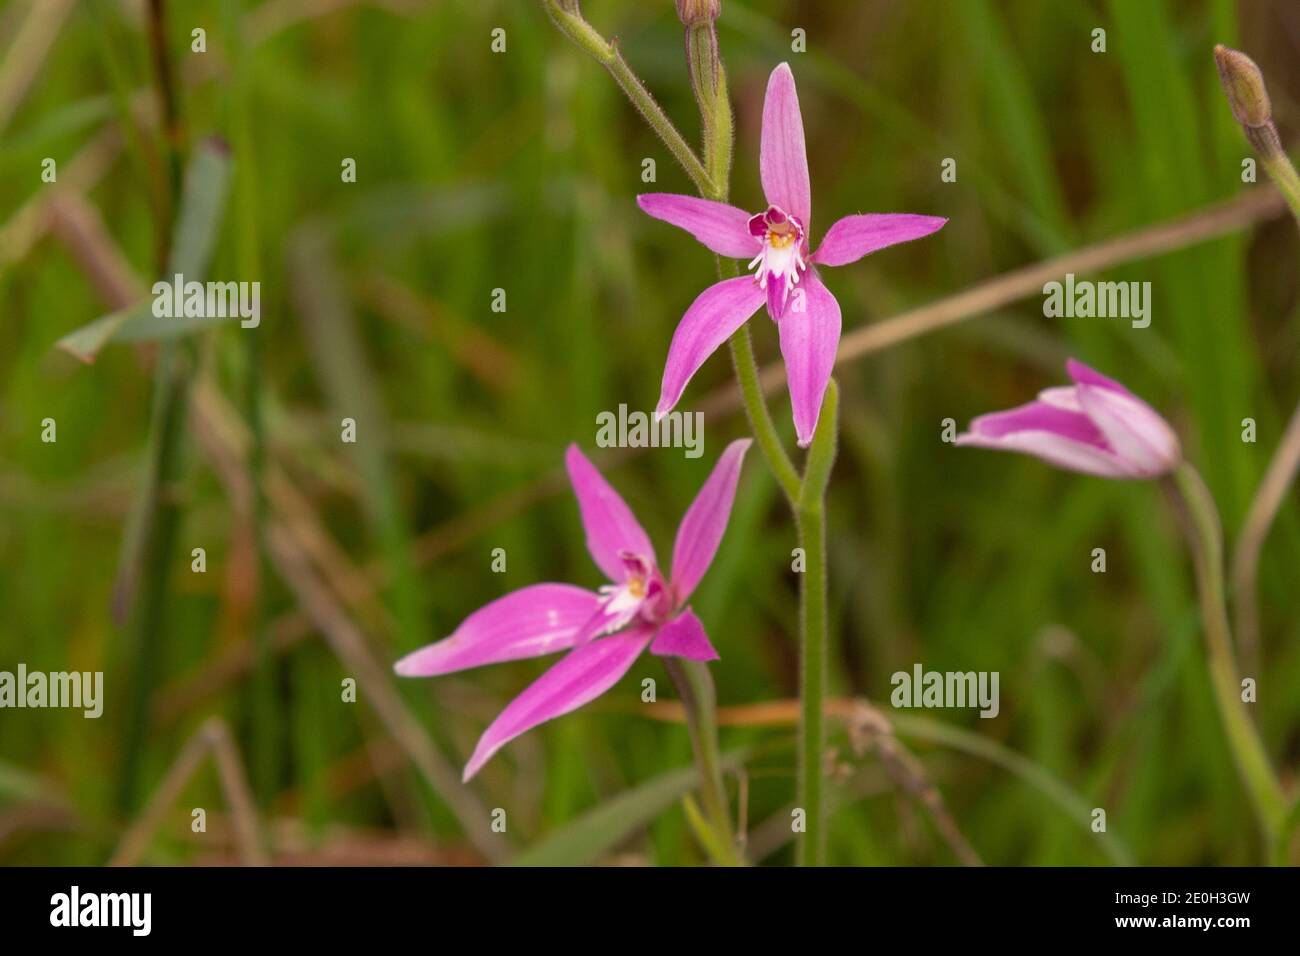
517, 170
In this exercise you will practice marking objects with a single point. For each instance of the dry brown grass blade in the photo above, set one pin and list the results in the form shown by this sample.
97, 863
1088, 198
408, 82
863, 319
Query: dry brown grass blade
224, 439
1251, 207
374, 682
211, 738
29, 224
78, 176
473, 348
871, 732
22, 61
1264, 507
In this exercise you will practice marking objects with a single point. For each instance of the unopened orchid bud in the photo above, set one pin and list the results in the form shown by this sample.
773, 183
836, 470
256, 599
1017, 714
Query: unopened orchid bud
1096, 426
1244, 85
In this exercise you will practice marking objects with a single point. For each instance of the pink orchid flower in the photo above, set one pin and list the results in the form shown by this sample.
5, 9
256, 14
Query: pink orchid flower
777, 240
605, 631
1097, 426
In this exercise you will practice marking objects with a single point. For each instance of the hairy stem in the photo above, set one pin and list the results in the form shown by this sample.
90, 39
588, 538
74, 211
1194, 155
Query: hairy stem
806, 496
811, 850
569, 19
1248, 751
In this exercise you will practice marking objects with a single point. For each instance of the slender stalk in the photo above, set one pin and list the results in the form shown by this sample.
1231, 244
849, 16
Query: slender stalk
161, 520
264, 750
1243, 85
699, 700
806, 497
1263, 510
1206, 538
569, 19
811, 849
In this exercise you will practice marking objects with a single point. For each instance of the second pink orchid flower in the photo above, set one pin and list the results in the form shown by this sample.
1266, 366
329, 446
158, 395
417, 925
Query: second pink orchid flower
605, 631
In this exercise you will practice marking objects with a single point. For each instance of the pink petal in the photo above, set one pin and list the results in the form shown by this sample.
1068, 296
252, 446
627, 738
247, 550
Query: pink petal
1041, 416
579, 677
1057, 435
1082, 374
810, 335
722, 228
611, 527
1055, 450
1141, 439
782, 158
713, 316
536, 620
684, 636
705, 521
856, 236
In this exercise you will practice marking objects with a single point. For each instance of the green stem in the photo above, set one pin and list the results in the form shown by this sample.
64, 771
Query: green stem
1248, 751
806, 496
1288, 183
570, 21
161, 518
695, 687
812, 631
161, 525
264, 756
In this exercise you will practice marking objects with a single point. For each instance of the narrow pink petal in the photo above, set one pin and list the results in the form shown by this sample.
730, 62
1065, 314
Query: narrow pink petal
720, 227
810, 335
853, 237
705, 520
713, 316
1055, 449
611, 527
1053, 429
579, 677
536, 620
1041, 416
1140, 437
684, 636
782, 157
1082, 374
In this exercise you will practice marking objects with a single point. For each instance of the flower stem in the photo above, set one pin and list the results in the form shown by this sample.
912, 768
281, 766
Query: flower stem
161, 511
569, 19
1248, 751
695, 686
807, 495
811, 513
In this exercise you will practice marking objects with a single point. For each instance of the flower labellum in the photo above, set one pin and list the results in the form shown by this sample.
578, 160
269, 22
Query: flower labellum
776, 241
1096, 426
603, 631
